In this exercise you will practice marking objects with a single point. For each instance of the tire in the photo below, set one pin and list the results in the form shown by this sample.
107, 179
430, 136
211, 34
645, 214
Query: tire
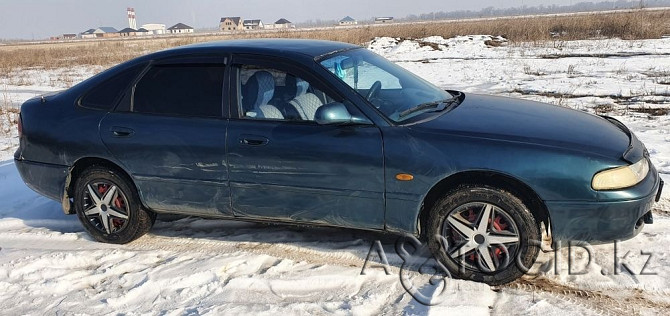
459, 238
126, 220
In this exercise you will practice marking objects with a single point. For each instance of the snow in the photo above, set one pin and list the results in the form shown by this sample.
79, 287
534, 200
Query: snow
48, 264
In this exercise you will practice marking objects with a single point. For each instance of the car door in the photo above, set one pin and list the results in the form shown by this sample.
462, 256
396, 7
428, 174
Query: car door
169, 133
283, 165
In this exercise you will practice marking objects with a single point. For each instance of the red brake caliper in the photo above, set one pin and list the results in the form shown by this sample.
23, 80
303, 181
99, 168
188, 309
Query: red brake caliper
499, 226
118, 202
471, 216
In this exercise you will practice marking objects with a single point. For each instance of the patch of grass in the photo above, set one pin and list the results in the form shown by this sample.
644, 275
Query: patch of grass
532, 72
433, 46
20, 81
603, 108
9, 115
652, 111
495, 43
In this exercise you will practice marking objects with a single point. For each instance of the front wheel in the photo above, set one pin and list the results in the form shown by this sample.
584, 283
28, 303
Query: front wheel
483, 234
109, 207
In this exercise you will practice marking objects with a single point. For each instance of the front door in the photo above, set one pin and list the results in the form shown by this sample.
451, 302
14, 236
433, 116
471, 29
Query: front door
285, 166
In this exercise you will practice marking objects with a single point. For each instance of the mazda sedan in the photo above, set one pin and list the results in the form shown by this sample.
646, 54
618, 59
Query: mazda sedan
327, 133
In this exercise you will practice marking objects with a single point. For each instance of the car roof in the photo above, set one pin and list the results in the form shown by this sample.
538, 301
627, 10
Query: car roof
275, 47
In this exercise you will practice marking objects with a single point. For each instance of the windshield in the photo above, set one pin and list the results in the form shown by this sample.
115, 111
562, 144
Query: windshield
396, 92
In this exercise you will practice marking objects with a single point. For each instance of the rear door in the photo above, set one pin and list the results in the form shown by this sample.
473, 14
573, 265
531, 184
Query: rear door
169, 133
286, 166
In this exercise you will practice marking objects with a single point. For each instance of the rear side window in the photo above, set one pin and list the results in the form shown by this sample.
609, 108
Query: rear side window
107, 94
181, 90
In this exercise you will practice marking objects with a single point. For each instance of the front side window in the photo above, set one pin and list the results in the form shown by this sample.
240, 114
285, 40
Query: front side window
365, 75
396, 92
266, 93
181, 90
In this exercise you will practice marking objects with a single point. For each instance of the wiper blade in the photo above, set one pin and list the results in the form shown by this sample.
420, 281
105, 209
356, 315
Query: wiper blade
437, 106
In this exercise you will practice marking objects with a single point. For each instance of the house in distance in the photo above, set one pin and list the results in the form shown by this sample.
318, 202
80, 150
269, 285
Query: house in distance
347, 20
284, 24
101, 32
180, 28
128, 32
236, 23
231, 23
253, 24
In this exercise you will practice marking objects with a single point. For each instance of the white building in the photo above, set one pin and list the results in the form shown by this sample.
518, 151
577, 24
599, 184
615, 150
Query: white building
384, 19
156, 29
143, 32
348, 21
283, 24
180, 28
252, 24
88, 33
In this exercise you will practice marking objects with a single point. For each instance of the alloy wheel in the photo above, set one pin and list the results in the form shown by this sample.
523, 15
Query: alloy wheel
481, 236
106, 206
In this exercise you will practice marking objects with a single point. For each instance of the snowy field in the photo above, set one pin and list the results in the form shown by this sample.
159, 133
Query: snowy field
49, 265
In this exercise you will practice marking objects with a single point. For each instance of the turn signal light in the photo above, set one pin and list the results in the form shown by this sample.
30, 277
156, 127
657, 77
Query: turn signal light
404, 177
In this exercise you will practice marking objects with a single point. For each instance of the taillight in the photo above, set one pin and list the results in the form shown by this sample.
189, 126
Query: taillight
20, 126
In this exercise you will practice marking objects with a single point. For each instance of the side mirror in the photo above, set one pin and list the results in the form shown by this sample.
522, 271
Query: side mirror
336, 113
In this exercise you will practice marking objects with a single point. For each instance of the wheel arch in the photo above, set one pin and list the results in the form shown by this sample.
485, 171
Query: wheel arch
495, 179
78, 167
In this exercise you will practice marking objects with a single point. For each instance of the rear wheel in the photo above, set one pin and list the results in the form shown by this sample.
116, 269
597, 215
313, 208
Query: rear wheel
109, 207
483, 234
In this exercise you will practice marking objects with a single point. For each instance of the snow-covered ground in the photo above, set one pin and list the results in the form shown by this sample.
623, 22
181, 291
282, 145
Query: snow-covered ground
48, 264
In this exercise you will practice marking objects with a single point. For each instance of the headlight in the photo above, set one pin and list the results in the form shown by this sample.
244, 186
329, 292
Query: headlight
621, 177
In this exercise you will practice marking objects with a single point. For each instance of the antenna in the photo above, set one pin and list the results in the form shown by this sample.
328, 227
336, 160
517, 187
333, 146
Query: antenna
132, 21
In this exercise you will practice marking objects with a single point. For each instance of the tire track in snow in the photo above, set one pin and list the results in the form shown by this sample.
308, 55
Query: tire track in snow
596, 301
298, 253
278, 250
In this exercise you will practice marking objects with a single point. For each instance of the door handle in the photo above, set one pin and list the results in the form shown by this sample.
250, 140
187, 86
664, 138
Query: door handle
253, 140
119, 131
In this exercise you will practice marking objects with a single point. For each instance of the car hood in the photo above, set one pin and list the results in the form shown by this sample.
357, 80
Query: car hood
531, 122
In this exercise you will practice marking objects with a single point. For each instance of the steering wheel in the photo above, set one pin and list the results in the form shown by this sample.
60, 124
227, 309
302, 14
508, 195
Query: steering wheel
374, 90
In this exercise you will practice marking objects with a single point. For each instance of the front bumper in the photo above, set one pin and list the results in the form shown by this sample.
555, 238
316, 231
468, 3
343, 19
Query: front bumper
604, 221
45, 179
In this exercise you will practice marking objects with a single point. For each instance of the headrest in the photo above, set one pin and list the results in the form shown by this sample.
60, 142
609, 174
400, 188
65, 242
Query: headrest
301, 87
265, 87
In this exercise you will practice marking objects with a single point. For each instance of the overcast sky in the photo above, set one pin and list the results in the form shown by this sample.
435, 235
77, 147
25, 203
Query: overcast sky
39, 19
